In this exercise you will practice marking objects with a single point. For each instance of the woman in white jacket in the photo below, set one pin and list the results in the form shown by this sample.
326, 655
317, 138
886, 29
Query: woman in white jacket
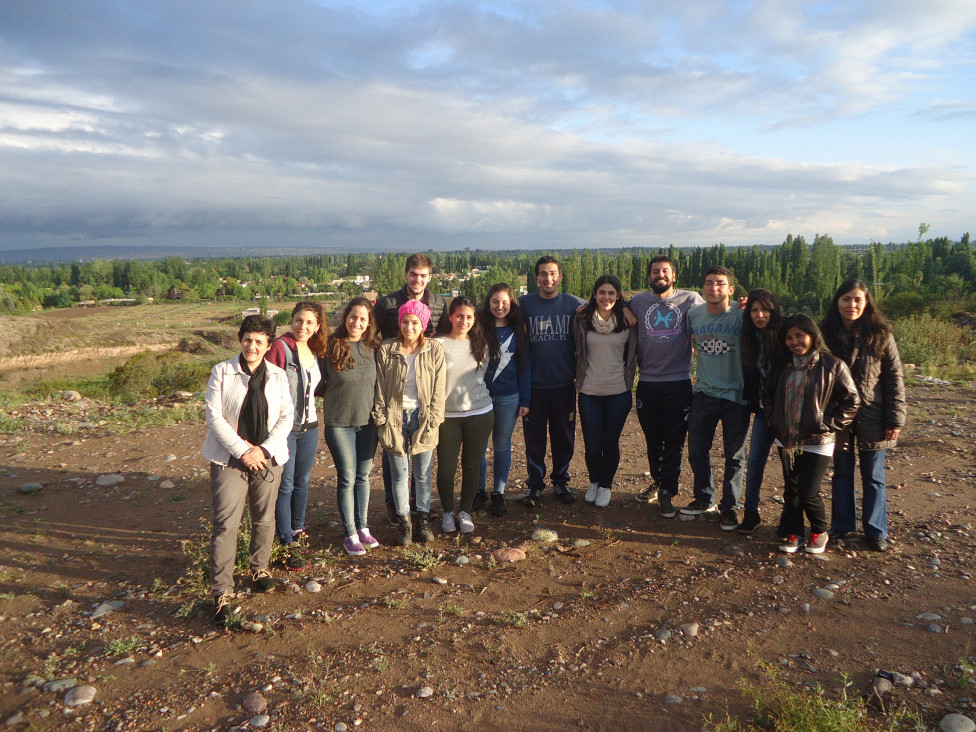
249, 414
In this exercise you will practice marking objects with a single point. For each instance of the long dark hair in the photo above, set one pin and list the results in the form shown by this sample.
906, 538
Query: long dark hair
809, 326
514, 321
476, 336
338, 351
320, 338
871, 329
618, 304
756, 342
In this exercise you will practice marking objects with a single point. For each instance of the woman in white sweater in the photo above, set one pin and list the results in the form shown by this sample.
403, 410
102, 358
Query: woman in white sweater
468, 416
249, 414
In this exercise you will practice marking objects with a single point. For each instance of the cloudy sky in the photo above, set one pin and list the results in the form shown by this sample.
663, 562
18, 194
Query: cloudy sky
408, 125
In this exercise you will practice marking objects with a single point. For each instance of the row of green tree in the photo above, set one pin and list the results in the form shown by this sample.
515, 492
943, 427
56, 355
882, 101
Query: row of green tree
924, 273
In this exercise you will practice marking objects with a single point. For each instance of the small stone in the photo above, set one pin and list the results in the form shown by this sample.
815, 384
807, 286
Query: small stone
79, 695
462, 560
105, 608
508, 554
663, 635
169, 458
690, 630
956, 723
784, 562
933, 628
260, 720
823, 594
545, 536
252, 627
580, 543
966, 621
672, 699
167, 484
313, 586
805, 607
438, 580
557, 606
71, 396
28, 488
59, 685
928, 616
254, 703
107, 481
14, 719
424, 692
880, 686
340, 727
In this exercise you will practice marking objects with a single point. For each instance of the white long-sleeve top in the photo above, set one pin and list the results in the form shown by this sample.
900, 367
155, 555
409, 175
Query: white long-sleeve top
225, 397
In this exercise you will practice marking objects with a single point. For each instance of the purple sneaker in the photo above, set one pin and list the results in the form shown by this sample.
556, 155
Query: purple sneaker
367, 539
352, 546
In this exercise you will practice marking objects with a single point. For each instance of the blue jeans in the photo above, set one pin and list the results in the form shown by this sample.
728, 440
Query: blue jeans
400, 470
843, 511
293, 491
602, 419
759, 445
506, 409
353, 449
706, 412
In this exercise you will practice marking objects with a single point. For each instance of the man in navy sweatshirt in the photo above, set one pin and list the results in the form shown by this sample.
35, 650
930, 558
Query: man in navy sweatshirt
549, 317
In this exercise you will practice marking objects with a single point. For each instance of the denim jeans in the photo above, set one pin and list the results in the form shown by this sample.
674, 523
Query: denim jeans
662, 410
759, 445
293, 491
602, 419
706, 412
506, 409
874, 511
352, 449
400, 470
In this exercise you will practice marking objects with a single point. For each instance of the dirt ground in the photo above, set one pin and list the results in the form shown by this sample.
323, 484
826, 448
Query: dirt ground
582, 634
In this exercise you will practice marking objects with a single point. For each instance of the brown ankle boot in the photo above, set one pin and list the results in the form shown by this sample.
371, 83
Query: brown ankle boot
405, 536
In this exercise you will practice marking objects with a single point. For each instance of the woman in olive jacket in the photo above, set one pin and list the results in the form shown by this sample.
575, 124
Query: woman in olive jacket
858, 333
407, 411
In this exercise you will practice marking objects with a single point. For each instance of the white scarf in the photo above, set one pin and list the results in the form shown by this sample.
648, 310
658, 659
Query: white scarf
604, 327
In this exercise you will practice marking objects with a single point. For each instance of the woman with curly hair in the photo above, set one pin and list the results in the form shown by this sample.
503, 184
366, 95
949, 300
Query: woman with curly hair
347, 387
858, 333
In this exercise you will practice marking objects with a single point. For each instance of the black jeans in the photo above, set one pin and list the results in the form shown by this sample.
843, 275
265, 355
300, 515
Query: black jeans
801, 493
552, 411
662, 410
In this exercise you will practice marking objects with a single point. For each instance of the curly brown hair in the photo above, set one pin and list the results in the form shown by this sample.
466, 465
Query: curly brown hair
338, 351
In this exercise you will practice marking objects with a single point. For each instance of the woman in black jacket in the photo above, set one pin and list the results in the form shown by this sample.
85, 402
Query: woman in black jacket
857, 333
812, 399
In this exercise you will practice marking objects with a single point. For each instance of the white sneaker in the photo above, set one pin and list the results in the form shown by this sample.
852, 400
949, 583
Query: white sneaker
602, 498
591, 493
465, 524
447, 523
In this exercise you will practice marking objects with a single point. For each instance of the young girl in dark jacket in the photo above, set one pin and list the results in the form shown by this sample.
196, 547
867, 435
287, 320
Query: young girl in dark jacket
812, 399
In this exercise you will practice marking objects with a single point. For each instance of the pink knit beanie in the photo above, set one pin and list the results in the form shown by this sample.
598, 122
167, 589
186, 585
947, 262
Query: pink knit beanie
415, 307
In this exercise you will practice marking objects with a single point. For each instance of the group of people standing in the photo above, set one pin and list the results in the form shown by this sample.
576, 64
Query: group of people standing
417, 375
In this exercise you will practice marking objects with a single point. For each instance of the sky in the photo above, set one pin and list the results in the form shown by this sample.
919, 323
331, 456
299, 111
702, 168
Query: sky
414, 125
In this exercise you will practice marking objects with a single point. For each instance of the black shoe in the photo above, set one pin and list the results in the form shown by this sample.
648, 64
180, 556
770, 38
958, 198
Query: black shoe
532, 497
498, 506
564, 493
294, 562
480, 499
263, 582
750, 522
222, 608
877, 543
421, 530
728, 522
651, 495
405, 533
697, 507
665, 506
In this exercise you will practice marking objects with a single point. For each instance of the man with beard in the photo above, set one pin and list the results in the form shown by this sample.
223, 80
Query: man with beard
664, 388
